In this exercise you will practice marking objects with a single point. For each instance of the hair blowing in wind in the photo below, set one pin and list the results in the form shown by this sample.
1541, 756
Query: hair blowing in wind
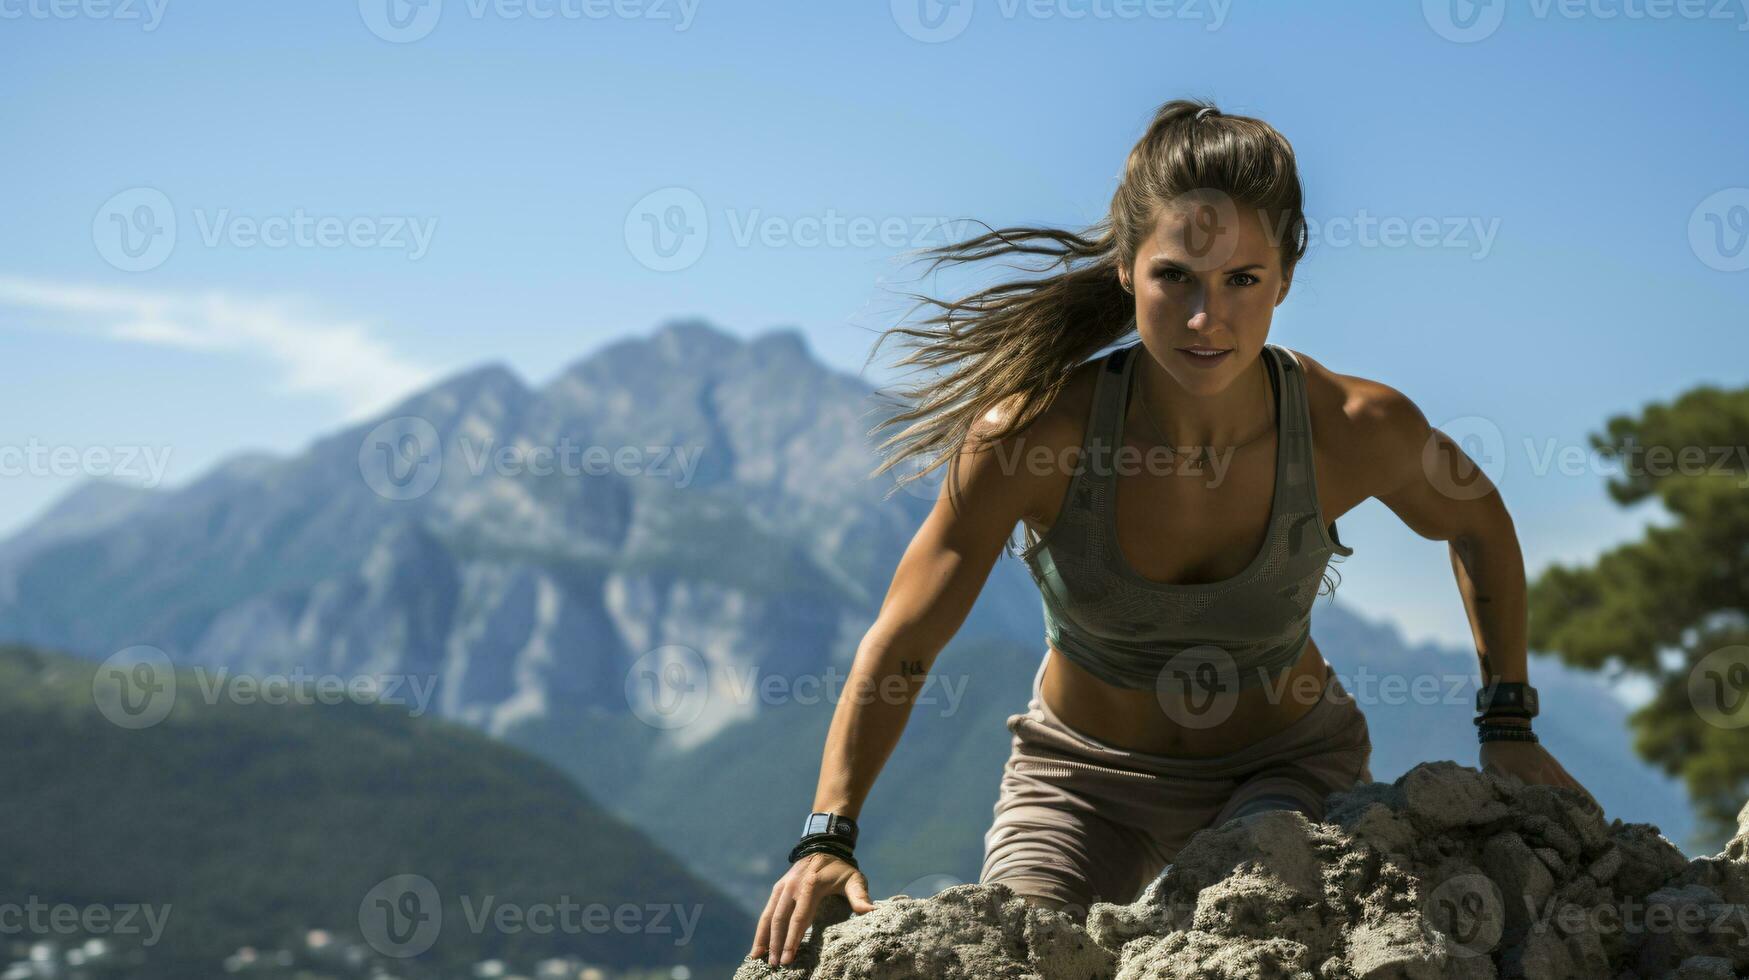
1016, 342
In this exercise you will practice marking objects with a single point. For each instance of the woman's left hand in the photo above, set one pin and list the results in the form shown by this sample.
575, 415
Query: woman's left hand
1532, 763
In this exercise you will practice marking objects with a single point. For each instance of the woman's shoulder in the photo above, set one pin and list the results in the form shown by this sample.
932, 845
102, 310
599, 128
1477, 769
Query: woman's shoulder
1062, 418
1052, 437
1353, 414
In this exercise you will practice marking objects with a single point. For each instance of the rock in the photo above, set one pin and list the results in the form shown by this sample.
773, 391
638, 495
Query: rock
1606, 867
1448, 872
965, 932
1441, 796
1515, 870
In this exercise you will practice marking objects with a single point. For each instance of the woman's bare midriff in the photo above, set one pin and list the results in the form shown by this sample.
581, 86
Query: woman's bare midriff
1136, 719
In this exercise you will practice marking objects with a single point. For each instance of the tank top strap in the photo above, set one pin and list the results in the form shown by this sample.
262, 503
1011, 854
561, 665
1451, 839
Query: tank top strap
1296, 428
1106, 420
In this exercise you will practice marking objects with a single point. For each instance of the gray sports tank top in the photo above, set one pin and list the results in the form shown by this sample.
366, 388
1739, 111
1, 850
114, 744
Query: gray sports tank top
1134, 632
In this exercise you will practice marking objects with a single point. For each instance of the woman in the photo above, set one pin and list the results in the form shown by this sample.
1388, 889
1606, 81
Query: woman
1179, 529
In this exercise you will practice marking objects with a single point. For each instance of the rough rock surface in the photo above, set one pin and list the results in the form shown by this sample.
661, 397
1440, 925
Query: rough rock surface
1448, 872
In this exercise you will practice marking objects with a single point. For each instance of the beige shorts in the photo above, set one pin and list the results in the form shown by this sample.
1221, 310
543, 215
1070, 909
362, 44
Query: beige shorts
1082, 821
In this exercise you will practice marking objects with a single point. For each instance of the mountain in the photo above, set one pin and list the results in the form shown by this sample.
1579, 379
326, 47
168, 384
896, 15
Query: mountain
234, 823
597, 567
521, 546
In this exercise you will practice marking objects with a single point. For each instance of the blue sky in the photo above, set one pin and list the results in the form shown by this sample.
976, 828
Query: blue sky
475, 181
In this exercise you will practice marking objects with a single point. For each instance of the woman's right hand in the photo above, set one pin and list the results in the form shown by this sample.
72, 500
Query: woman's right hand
796, 897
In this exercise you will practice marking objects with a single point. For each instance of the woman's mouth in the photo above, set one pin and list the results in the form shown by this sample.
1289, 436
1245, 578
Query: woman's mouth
1206, 356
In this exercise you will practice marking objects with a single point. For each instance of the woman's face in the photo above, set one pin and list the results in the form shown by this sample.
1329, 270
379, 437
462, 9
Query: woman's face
1208, 276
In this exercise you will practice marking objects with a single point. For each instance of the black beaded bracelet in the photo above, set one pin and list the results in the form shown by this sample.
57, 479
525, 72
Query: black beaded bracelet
1505, 733
1480, 720
834, 848
822, 841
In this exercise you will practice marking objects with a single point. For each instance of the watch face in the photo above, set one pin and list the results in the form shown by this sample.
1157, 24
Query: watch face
1515, 694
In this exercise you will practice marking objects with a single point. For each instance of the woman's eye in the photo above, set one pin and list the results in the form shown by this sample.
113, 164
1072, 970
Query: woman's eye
1178, 275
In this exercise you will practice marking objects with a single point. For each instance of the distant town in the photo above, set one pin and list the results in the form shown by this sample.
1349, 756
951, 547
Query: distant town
321, 956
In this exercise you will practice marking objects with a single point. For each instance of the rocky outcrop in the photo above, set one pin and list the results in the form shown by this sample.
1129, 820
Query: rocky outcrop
1447, 872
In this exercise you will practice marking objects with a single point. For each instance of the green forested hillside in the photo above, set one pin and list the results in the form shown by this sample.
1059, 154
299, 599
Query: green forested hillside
252, 823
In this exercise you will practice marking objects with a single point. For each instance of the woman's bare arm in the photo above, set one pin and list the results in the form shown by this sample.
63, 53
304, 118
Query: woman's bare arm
938, 579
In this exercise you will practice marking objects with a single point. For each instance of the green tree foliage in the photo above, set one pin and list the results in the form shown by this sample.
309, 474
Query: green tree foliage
1673, 607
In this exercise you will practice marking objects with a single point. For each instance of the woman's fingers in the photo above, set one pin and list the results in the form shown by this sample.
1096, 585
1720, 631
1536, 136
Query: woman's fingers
795, 899
798, 925
857, 892
779, 926
759, 946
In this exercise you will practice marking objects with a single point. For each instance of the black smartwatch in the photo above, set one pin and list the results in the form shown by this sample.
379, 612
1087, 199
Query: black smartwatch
1512, 698
831, 824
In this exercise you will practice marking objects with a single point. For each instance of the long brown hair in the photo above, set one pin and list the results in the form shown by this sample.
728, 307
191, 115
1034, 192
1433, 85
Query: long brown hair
1018, 342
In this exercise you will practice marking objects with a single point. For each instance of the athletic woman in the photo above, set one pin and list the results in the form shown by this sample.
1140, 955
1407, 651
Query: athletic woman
1179, 494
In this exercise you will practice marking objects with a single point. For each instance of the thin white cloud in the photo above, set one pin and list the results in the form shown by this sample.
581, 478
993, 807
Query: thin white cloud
322, 357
